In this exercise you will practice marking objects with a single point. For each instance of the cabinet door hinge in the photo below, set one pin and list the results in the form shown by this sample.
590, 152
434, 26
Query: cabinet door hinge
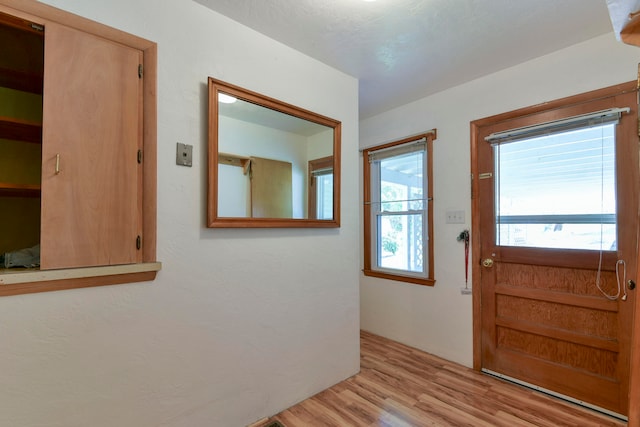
139, 156
139, 71
138, 242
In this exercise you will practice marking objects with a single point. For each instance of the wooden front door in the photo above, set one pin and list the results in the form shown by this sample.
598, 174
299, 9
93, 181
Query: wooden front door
539, 315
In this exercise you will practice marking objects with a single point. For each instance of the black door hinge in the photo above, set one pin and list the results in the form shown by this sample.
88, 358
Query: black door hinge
139, 71
138, 242
139, 156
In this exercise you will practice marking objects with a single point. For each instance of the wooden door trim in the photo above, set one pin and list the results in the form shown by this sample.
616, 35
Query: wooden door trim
550, 106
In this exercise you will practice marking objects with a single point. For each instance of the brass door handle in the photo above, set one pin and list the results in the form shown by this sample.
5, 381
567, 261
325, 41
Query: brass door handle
487, 262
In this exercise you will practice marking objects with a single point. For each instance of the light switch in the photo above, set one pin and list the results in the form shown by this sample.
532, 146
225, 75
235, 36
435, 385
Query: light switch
455, 217
184, 155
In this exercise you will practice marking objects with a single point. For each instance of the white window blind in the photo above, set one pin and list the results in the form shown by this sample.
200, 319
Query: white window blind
582, 121
557, 188
410, 147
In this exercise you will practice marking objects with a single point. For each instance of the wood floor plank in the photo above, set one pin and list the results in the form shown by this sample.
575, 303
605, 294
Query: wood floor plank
399, 386
368, 383
412, 414
472, 404
450, 415
515, 421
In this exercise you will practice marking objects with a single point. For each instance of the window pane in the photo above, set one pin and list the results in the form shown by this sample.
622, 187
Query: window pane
558, 191
400, 242
401, 183
324, 202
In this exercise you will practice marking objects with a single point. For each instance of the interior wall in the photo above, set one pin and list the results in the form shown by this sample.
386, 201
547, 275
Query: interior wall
239, 324
439, 319
251, 140
320, 145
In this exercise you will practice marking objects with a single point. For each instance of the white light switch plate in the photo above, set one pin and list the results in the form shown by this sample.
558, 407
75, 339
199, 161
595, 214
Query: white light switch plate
455, 217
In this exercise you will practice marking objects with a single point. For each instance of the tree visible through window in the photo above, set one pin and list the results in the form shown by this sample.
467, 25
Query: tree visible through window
398, 211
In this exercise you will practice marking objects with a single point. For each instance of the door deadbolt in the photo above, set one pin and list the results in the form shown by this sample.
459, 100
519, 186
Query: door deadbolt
487, 262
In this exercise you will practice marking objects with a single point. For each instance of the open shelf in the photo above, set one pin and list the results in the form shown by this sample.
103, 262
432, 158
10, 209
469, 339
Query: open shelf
20, 130
19, 190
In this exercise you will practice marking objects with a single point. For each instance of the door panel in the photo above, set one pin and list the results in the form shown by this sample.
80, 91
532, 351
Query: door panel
91, 180
542, 318
549, 321
271, 190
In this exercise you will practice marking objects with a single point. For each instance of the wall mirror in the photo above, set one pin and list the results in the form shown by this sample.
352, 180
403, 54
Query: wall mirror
271, 164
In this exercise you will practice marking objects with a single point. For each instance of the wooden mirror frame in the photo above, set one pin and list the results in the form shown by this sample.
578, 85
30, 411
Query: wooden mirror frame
213, 220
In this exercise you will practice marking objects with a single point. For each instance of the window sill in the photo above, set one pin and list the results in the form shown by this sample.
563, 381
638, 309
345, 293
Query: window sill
26, 281
399, 278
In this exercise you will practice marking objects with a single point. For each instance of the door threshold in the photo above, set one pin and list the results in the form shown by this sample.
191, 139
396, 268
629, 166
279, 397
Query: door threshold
556, 394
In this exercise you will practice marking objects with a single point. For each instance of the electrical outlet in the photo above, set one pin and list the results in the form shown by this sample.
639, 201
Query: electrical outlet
455, 217
184, 154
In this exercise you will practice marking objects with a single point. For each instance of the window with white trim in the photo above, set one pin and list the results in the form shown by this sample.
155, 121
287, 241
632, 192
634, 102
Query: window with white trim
398, 210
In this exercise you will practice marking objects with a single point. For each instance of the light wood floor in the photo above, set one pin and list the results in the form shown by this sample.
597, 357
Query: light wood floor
399, 386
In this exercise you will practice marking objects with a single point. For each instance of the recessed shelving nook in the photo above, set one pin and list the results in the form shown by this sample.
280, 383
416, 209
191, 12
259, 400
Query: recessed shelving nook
21, 77
77, 150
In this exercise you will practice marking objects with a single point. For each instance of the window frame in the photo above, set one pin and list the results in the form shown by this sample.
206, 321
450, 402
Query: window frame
370, 264
323, 163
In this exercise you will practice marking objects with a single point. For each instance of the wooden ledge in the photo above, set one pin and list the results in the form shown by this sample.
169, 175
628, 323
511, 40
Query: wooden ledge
24, 281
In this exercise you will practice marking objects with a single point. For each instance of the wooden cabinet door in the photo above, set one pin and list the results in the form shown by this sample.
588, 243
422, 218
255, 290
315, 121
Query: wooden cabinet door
271, 191
92, 131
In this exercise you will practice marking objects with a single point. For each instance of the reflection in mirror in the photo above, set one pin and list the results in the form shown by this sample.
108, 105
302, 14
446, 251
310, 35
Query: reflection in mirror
270, 164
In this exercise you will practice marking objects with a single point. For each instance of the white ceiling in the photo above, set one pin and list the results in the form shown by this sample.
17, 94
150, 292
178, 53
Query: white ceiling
404, 50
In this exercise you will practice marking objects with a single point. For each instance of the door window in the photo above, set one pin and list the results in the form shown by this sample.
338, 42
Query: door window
557, 190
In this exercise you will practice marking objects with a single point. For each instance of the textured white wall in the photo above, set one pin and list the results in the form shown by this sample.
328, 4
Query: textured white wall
439, 319
239, 323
